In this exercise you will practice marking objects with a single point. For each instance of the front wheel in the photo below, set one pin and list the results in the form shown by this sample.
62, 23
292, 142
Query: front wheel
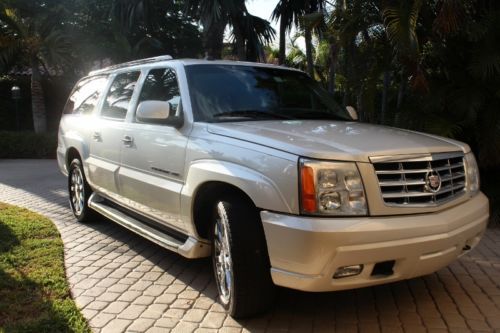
79, 192
240, 261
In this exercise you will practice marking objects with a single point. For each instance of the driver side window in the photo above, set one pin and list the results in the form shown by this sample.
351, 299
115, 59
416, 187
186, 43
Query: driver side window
161, 85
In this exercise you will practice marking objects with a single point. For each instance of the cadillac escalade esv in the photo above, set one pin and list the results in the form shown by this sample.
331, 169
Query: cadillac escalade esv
256, 166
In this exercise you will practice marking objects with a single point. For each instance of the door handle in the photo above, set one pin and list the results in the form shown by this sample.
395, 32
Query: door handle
127, 140
96, 136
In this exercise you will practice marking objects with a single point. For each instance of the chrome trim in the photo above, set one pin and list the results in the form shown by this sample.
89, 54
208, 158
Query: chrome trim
401, 185
415, 157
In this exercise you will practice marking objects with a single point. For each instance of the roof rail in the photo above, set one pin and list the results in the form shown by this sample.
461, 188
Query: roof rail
132, 63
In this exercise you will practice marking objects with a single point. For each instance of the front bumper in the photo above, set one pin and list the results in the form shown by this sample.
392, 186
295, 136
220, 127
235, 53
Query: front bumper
305, 252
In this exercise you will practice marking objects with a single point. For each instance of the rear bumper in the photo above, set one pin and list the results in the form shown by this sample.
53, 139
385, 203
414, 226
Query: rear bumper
305, 252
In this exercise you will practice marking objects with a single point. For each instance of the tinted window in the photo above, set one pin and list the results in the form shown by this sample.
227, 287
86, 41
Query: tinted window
228, 92
85, 95
119, 95
161, 85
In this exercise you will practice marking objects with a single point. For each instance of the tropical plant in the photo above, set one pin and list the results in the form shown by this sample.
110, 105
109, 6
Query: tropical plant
250, 33
32, 39
302, 14
154, 27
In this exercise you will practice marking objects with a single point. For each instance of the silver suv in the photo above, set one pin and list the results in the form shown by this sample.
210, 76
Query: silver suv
257, 166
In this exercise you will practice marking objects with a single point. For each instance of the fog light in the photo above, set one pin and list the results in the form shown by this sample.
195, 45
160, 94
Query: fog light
347, 271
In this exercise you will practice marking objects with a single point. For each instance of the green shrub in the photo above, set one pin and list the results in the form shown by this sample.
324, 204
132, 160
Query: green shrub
27, 145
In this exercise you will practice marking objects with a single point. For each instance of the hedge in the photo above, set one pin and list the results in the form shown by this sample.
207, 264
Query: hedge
27, 145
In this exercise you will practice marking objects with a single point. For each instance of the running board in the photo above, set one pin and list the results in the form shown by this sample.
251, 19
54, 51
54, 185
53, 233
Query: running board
191, 248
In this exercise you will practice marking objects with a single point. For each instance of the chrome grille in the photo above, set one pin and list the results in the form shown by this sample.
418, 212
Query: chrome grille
406, 182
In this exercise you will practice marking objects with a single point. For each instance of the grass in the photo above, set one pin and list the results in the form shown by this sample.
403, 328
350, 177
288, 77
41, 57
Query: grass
34, 293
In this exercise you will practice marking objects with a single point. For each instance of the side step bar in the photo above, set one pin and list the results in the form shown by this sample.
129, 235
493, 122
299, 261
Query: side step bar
191, 248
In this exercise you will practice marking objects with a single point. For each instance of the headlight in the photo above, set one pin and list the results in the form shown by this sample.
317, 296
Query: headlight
472, 171
331, 188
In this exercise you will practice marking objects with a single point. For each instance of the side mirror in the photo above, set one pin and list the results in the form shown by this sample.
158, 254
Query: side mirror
352, 112
158, 112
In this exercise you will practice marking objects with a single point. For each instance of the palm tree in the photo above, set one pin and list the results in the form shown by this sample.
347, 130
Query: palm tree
33, 41
301, 14
288, 12
249, 32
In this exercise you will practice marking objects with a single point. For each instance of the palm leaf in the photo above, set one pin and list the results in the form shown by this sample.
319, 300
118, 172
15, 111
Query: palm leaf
401, 23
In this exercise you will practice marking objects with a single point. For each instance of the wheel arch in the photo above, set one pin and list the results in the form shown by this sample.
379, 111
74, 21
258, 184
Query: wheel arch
207, 180
204, 199
71, 154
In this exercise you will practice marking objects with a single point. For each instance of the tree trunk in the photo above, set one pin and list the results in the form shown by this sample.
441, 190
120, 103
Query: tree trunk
240, 43
331, 70
309, 46
401, 90
282, 51
383, 110
37, 99
213, 38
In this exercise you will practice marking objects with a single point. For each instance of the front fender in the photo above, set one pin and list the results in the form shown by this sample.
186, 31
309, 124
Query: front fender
264, 193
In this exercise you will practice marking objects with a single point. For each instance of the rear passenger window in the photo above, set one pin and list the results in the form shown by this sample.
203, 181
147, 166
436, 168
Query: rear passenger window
85, 95
119, 95
161, 85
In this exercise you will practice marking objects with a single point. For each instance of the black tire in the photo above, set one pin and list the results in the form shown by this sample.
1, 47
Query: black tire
248, 289
79, 192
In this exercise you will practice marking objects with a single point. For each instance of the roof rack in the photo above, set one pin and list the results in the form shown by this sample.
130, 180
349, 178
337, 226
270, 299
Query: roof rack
132, 63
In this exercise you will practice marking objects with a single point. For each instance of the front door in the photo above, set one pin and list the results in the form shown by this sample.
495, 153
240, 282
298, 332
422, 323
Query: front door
152, 165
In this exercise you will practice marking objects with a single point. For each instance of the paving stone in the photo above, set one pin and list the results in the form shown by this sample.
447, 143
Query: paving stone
101, 319
195, 315
140, 325
155, 311
116, 307
132, 312
184, 327
130, 296
97, 305
213, 320
156, 329
167, 322
154, 290
116, 325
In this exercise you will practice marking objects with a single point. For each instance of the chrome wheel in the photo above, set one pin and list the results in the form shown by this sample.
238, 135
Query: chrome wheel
222, 255
77, 191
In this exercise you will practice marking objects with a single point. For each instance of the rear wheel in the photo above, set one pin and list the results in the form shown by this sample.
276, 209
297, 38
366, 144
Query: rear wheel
79, 192
240, 260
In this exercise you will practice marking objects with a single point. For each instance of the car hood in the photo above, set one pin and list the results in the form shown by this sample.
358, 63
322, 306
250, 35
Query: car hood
338, 140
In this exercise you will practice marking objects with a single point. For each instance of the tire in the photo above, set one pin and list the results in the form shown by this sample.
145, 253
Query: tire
79, 192
239, 258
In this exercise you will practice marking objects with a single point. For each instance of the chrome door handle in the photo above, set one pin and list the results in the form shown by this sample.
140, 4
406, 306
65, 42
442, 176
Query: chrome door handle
127, 140
96, 136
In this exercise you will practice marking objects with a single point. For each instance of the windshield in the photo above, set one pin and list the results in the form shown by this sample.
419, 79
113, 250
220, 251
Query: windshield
241, 93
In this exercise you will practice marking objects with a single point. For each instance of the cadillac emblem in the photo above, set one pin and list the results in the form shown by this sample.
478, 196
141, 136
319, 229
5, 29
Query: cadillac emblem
432, 181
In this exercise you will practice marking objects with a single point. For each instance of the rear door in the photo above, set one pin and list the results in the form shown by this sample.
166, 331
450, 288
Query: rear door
107, 134
152, 166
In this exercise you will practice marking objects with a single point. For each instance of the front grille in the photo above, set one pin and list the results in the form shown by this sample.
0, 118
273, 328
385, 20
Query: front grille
408, 182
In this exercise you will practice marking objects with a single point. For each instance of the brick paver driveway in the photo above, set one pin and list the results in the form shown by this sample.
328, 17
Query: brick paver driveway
125, 283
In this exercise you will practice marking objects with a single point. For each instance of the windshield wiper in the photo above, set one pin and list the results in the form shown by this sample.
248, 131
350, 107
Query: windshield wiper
252, 114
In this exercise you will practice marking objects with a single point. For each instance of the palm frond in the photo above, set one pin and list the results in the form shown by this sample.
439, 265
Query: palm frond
12, 22
400, 22
450, 17
56, 48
